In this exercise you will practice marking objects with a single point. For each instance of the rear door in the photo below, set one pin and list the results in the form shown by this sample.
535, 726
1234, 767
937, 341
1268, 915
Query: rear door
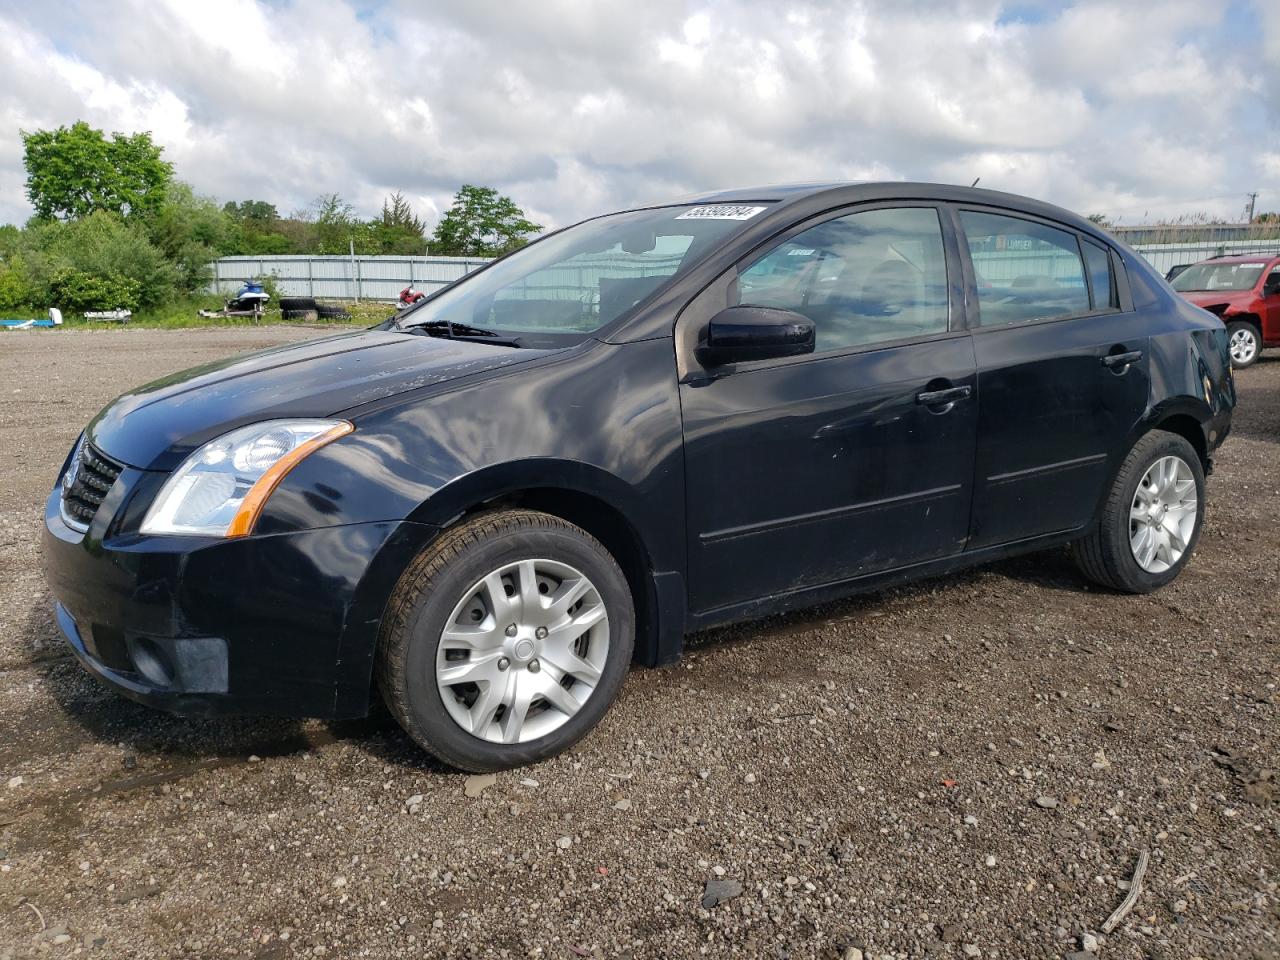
804, 471
1062, 374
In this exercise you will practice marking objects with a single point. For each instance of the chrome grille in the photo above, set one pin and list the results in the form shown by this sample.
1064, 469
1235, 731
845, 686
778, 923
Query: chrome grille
86, 484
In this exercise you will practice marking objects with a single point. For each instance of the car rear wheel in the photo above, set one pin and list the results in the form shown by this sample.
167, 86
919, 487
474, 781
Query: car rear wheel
1244, 343
1151, 520
506, 641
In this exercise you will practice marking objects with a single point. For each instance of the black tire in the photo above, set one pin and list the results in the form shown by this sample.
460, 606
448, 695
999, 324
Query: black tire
1104, 555
438, 580
298, 315
297, 303
1238, 329
327, 311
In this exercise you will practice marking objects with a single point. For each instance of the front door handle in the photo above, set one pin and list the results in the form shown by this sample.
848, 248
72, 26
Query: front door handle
1114, 360
936, 398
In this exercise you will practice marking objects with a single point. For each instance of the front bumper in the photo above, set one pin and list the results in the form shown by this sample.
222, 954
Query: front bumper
278, 625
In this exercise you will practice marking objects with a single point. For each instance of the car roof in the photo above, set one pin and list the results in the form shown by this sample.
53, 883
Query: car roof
784, 195
1244, 258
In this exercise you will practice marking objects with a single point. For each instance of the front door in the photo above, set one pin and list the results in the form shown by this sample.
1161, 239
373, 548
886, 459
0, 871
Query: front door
858, 458
1062, 376
1271, 306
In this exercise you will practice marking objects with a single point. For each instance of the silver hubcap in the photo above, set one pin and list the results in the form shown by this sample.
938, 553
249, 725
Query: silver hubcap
524, 649
1163, 514
1243, 345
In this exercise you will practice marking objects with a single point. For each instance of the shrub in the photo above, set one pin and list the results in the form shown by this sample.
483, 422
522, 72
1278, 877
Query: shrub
77, 291
104, 247
15, 290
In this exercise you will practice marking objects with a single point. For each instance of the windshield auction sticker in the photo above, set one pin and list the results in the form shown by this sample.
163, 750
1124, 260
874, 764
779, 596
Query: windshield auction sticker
720, 212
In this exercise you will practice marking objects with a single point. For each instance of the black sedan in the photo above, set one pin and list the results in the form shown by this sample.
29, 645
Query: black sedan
652, 422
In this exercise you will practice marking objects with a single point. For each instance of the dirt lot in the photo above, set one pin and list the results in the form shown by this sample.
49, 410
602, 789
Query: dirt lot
964, 768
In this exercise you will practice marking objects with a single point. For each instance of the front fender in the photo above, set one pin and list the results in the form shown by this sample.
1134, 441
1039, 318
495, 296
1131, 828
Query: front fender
505, 479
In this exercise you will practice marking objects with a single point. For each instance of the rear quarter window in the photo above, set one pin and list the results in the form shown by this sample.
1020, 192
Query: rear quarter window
1101, 283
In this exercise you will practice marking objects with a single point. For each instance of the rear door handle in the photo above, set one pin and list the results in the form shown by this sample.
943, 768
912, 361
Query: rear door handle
1114, 360
934, 398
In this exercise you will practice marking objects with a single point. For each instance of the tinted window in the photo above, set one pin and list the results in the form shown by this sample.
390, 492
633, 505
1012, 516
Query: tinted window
561, 288
871, 276
1098, 262
1025, 270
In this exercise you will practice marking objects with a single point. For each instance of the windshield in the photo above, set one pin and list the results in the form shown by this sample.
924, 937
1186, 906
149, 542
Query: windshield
1218, 276
561, 289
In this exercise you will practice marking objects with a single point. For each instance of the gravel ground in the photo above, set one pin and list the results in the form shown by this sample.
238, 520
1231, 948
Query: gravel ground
964, 768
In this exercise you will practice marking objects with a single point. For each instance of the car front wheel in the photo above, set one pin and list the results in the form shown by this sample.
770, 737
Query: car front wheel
1151, 520
506, 641
1244, 343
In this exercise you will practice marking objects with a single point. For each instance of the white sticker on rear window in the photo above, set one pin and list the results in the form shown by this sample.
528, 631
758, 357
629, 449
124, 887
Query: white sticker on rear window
720, 212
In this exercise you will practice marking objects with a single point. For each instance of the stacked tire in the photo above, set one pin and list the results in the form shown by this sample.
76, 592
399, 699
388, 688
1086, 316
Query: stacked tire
298, 308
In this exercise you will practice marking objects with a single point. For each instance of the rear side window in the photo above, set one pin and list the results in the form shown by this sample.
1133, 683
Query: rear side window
1025, 270
1098, 262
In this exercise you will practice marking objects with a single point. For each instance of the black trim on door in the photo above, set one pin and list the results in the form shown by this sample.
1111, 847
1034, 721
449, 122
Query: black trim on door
764, 526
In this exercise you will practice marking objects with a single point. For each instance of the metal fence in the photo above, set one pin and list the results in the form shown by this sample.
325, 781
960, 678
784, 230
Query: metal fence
382, 278
343, 278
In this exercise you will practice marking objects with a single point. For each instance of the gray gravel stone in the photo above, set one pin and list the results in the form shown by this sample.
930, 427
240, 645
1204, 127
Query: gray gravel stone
719, 890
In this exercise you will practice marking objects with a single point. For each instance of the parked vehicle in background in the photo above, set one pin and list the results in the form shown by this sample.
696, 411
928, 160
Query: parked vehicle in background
408, 297
653, 422
249, 301
1245, 292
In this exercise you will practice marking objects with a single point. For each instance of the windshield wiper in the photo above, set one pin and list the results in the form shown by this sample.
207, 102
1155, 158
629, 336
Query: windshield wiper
460, 331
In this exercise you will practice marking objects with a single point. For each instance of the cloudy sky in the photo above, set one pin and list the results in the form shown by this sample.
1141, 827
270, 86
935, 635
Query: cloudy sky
1139, 110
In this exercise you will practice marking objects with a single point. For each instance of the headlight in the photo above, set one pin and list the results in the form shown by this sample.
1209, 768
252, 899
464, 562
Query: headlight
220, 489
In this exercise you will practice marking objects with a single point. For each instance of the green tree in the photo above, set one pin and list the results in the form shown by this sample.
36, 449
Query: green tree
398, 230
481, 223
1100, 219
256, 211
74, 171
191, 232
256, 228
10, 240
335, 228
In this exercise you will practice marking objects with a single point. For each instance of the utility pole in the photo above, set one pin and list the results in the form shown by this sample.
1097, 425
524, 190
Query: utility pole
355, 270
1253, 198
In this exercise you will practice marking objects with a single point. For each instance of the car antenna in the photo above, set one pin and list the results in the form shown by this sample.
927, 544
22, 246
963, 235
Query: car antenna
975, 182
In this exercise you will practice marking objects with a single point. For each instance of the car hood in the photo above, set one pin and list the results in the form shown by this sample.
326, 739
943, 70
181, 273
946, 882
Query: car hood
1221, 299
153, 427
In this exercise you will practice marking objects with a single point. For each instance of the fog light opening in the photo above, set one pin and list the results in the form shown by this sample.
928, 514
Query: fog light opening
152, 661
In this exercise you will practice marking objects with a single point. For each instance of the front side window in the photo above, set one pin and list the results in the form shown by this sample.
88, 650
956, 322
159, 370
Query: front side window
863, 278
1025, 270
1218, 276
561, 289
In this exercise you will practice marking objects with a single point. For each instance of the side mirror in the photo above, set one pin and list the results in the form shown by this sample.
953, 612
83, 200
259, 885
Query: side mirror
736, 334
1271, 288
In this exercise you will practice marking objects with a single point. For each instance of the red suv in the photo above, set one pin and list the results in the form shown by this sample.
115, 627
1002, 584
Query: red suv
1245, 292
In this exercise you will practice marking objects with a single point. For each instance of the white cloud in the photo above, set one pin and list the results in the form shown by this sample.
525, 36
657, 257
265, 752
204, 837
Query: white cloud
575, 107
